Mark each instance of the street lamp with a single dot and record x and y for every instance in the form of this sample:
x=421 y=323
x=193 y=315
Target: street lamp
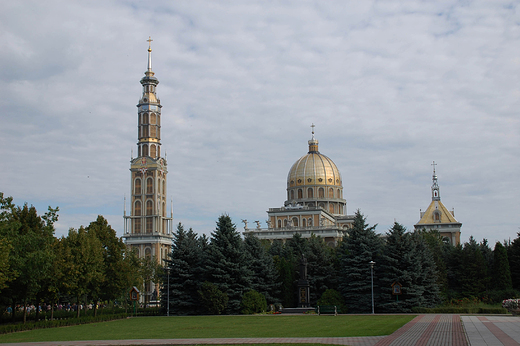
x=168 y=302
x=372 y=279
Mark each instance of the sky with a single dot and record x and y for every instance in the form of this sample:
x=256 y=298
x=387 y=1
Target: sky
x=390 y=85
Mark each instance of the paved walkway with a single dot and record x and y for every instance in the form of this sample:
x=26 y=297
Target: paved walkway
x=424 y=330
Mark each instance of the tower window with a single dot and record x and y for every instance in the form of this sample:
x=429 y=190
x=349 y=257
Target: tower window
x=145 y=150
x=153 y=131
x=279 y=223
x=300 y=194
x=145 y=118
x=153 y=118
x=153 y=150
x=310 y=192
x=295 y=222
x=149 y=207
x=321 y=193
x=338 y=193
x=137 y=186
x=292 y=195
x=137 y=225
x=137 y=208
x=331 y=193
x=149 y=186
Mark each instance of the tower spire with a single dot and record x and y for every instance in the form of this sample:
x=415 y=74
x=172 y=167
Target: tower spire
x=149 y=53
x=436 y=196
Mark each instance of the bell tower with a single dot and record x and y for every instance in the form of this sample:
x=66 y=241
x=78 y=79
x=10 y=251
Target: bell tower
x=147 y=228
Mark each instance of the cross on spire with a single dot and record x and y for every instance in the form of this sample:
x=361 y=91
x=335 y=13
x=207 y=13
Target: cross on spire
x=313 y=126
x=434 y=164
x=149 y=43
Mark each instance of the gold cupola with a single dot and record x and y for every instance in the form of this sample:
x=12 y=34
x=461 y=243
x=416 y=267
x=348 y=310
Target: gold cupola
x=314 y=180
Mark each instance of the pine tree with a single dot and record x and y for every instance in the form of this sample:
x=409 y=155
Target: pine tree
x=226 y=263
x=264 y=278
x=361 y=246
x=184 y=274
x=400 y=265
x=321 y=270
x=427 y=278
x=513 y=253
x=474 y=278
x=501 y=272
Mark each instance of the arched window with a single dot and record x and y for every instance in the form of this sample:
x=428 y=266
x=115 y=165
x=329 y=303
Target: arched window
x=279 y=223
x=164 y=209
x=331 y=208
x=285 y=223
x=158 y=119
x=145 y=118
x=137 y=186
x=310 y=192
x=300 y=194
x=159 y=186
x=137 y=208
x=149 y=186
x=153 y=118
x=149 y=207
x=304 y=223
x=153 y=151
x=292 y=195
x=145 y=150
x=164 y=187
x=137 y=225
x=338 y=194
x=331 y=192
x=321 y=193
x=295 y=222
x=148 y=253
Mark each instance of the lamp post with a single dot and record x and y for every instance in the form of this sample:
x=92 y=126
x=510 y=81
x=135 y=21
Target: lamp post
x=168 y=302
x=372 y=281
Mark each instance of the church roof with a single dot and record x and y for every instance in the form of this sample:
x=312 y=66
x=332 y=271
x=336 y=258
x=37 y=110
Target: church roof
x=436 y=213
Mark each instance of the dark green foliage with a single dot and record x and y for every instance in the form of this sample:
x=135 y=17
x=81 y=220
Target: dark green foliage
x=474 y=273
x=214 y=301
x=439 y=250
x=261 y=265
x=183 y=272
x=253 y=303
x=501 y=272
x=513 y=253
x=332 y=297
x=356 y=251
x=226 y=263
x=427 y=278
x=400 y=264
x=321 y=268
x=287 y=278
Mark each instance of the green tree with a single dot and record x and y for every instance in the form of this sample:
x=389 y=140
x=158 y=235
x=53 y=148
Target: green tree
x=253 y=302
x=361 y=246
x=261 y=264
x=214 y=300
x=501 y=271
x=474 y=276
x=5 y=273
x=31 y=238
x=321 y=268
x=114 y=277
x=513 y=253
x=83 y=266
x=184 y=266
x=226 y=263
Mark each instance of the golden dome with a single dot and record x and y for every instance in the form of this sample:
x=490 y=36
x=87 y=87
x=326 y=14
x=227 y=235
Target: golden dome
x=314 y=169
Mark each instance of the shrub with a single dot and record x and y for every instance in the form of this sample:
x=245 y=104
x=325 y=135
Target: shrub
x=333 y=298
x=215 y=301
x=253 y=302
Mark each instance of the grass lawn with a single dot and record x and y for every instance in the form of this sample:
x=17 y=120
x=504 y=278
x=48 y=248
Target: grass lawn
x=188 y=327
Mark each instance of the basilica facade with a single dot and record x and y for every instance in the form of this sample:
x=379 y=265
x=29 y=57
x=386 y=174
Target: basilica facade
x=314 y=205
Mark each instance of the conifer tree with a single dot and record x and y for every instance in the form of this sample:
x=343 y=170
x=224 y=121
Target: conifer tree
x=513 y=253
x=427 y=278
x=264 y=278
x=400 y=264
x=361 y=246
x=474 y=276
x=501 y=272
x=226 y=263
x=321 y=270
x=184 y=274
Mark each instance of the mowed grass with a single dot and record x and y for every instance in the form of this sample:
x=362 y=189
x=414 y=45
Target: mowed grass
x=189 y=327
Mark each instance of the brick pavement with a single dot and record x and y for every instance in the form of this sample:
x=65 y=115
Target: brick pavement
x=423 y=330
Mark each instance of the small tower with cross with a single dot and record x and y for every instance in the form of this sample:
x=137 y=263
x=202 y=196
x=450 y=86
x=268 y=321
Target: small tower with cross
x=438 y=217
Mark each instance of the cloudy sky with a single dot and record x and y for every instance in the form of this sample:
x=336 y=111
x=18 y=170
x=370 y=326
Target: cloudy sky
x=390 y=85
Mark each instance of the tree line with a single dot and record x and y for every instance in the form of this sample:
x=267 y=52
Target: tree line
x=213 y=275
x=90 y=264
